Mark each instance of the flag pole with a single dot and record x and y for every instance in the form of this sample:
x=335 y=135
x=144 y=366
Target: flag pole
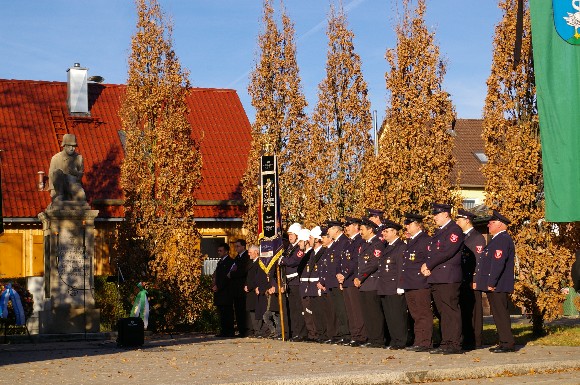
x=278 y=276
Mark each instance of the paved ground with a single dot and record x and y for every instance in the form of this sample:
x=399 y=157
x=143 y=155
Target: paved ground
x=199 y=359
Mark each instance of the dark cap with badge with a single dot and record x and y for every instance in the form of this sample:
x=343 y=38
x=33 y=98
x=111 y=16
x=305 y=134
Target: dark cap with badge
x=496 y=216
x=438 y=208
x=350 y=220
x=388 y=224
x=368 y=223
x=323 y=231
x=331 y=223
x=461 y=213
x=374 y=213
x=413 y=217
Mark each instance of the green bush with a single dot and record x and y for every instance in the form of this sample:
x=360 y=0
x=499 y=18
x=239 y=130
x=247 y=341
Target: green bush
x=108 y=299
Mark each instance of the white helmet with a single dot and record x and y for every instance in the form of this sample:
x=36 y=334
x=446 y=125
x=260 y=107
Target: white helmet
x=304 y=235
x=295 y=228
x=316 y=232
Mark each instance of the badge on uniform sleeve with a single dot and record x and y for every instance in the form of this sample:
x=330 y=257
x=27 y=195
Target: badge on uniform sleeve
x=498 y=254
x=479 y=249
x=453 y=238
x=300 y=254
x=377 y=253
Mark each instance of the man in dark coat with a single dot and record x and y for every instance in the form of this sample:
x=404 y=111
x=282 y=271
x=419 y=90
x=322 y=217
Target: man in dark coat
x=256 y=323
x=444 y=274
x=222 y=289
x=339 y=244
x=326 y=267
x=367 y=280
x=495 y=276
x=238 y=274
x=469 y=299
x=348 y=272
x=392 y=299
x=308 y=290
x=417 y=292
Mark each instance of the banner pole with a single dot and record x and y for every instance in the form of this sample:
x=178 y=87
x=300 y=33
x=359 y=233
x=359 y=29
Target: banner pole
x=278 y=275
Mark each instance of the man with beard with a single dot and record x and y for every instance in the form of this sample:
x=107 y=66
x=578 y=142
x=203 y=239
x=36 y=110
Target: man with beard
x=495 y=276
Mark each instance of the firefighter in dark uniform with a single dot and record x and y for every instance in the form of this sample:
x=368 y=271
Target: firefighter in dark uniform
x=444 y=274
x=377 y=216
x=392 y=299
x=291 y=260
x=367 y=280
x=469 y=299
x=340 y=241
x=495 y=276
x=327 y=267
x=310 y=293
x=349 y=268
x=417 y=292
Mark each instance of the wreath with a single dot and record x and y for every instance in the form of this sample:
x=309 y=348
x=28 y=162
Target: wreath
x=26 y=300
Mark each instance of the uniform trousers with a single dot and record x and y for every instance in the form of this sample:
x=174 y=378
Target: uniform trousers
x=498 y=303
x=471 y=316
x=395 y=312
x=296 y=319
x=319 y=316
x=327 y=309
x=373 y=317
x=309 y=308
x=419 y=304
x=341 y=318
x=446 y=297
x=354 y=313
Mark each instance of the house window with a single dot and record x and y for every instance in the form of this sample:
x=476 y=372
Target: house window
x=481 y=157
x=208 y=248
x=468 y=203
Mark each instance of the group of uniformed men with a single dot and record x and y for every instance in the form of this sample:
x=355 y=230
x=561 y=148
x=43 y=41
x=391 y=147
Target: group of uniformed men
x=358 y=283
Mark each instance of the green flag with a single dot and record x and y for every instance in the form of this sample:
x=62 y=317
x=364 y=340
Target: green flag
x=555 y=39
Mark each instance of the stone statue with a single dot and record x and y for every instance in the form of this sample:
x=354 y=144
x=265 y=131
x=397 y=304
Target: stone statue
x=65 y=173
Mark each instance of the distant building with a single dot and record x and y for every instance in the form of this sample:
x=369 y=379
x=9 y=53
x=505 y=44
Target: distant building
x=33 y=117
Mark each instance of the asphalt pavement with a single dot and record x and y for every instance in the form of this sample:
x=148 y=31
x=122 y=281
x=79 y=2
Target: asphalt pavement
x=205 y=359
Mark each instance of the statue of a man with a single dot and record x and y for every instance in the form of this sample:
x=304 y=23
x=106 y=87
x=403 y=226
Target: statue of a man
x=65 y=173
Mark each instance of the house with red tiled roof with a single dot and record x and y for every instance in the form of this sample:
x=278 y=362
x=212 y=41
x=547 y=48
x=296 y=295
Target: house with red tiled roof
x=469 y=158
x=34 y=115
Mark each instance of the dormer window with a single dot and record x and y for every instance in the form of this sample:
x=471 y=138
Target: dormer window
x=481 y=157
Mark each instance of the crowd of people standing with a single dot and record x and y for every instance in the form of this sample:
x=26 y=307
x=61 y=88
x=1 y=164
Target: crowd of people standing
x=357 y=283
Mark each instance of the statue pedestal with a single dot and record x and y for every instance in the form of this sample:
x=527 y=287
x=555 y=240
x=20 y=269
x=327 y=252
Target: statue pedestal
x=69 y=246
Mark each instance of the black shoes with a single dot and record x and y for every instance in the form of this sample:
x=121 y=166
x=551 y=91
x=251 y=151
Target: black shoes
x=394 y=347
x=502 y=349
x=371 y=345
x=418 y=348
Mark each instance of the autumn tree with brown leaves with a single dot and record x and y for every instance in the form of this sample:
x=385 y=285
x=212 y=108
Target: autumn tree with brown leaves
x=413 y=167
x=514 y=183
x=161 y=171
x=280 y=120
x=343 y=116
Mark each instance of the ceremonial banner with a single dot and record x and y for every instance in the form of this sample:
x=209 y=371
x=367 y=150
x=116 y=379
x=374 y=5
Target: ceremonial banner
x=271 y=245
x=555 y=39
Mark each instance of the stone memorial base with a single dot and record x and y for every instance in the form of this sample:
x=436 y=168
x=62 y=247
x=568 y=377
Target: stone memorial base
x=69 y=304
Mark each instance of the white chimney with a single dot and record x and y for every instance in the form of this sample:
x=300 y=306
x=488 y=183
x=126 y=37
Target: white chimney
x=77 y=90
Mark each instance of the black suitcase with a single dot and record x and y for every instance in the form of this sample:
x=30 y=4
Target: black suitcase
x=130 y=332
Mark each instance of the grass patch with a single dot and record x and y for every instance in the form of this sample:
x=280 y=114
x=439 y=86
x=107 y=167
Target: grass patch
x=556 y=335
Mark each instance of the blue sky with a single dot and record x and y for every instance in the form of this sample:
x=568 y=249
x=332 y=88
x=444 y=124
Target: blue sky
x=216 y=40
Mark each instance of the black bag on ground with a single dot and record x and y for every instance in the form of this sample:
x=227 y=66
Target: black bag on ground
x=130 y=332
